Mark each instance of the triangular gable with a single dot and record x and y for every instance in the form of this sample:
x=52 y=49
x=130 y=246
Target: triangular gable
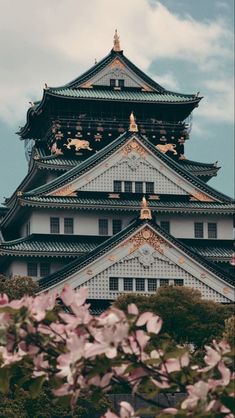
x=135 y=162
x=147 y=253
x=117 y=69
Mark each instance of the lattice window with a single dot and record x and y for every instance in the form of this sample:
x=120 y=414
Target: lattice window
x=112 y=82
x=198 y=230
x=117 y=226
x=44 y=269
x=128 y=186
x=164 y=282
x=152 y=285
x=55 y=225
x=178 y=282
x=103 y=227
x=165 y=225
x=117 y=186
x=32 y=269
x=149 y=187
x=128 y=284
x=68 y=225
x=139 y=187
x=113 y=284
x=121 y=83
x=140 y=285
x=212 y=230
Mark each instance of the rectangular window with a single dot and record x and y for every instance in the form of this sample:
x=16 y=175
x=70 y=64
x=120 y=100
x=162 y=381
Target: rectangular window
x=113 y=284
x=165 y=225
x=44 y=269
x=139 y=187
x=152 y=285
x=103 y=227
x=117 y=186
x=212 y=230
x=112 y=82
x=117 y=226
x=127 y=284
x=128 y=186
x=32 y=269
x=149 y=187
x=198 y=229
x=68 y=225
x=140 y=285
x=178 y=282
x=164 y=282
x=55 y=225
x=120 y=83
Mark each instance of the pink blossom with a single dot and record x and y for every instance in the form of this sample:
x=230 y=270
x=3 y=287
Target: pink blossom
x=102 y=382
x=211 y=358
x=110 y=414
x=196 y=393
x=127 y=411
x=171 y=411
x=3 y=299
x=132 y=309
x=153 y=322
x=144 y=317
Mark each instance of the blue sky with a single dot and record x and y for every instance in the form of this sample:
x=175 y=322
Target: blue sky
x=185 y=45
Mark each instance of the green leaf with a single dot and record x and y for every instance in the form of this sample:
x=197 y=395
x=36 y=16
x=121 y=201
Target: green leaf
x=5 y=375
x=36 y=385
x=228 y=401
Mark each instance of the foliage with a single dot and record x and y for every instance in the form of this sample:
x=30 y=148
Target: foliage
x=84 y=356
x=16 y=287
x=229 y=332
x=187 y=318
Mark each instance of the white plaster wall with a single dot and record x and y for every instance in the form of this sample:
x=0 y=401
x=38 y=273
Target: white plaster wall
x=19 y=267
x=181 y=226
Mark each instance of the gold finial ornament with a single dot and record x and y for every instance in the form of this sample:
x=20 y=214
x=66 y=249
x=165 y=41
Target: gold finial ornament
x=116 y=42
x=133 y=126
x=145 y=212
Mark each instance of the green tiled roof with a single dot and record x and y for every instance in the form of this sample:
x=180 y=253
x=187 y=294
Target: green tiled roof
x=83 y=261
x=51 y=245
x=119 y=95
x=110 y=149
x=131 y=203
x=72 y=246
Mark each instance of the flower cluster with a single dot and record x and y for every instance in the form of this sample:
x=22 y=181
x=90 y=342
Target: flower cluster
x=85 y=353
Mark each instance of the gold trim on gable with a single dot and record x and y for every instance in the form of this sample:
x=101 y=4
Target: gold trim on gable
x=146 y=236
x=65 y=191
x=202 y=197
x=134 y=146
x=116 y=63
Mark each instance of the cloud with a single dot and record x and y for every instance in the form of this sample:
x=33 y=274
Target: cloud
x=54 y=41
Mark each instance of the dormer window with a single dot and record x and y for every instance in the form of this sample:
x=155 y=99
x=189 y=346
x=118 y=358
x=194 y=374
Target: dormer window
x=117 y=82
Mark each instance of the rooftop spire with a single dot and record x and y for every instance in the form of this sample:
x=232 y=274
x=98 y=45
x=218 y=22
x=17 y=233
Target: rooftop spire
x=133 y=126
x=116 y=42
x=145 y=212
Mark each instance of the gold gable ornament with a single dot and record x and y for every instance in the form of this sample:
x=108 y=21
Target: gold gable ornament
x=133 y=126
x=145 y=212
x=116 y=42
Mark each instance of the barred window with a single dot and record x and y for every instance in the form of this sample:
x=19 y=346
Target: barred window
x=68 y=225
x=103 y=226
x=112 y=82
x=32 y=269
x=28 y=229
x=212 y=230
x=198 y=230
x=44 y=269
x=113 y=284
x=117 y=186
x=121 y=83
x=165 y=225
x=128 y=186
x=178 y=282
x=55 y=225
x=164 y=282
x=117 y=226
x=140 y=285
x=149 y=187
x=152 y=285
x=139 y=187
x=127 y=284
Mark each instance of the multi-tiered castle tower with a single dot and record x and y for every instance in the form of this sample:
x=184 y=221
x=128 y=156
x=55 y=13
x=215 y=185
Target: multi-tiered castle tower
x=110 y=201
